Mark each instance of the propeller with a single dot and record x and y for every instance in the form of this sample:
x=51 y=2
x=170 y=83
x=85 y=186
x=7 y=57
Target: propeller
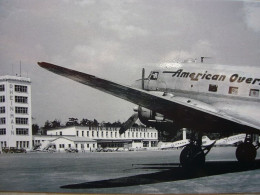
x=129 y=123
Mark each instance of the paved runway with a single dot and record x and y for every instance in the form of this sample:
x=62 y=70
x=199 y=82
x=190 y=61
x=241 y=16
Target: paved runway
x=153 y=172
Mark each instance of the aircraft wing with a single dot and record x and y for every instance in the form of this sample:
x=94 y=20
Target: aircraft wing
x=182 y=111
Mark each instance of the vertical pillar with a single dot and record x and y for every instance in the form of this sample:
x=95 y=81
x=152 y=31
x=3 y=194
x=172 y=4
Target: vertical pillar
x=184 y=134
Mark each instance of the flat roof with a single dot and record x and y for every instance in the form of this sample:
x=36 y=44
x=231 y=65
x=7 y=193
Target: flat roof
x=76 y=139
x=15 y=78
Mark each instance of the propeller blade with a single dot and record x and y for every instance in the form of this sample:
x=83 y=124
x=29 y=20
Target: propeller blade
x=129 y=123
x=143 y=75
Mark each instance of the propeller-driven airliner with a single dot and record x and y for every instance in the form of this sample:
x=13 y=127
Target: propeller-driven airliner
x=197 y=96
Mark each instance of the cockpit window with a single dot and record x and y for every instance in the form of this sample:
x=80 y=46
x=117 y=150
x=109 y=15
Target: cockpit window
x=154 y=75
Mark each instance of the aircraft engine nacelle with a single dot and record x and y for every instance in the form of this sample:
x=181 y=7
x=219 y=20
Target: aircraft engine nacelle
x=148 y=117
x=156 y=120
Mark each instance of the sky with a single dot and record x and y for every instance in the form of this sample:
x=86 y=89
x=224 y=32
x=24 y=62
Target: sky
x=115 y=39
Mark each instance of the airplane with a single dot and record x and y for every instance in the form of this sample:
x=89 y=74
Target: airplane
x=207 y=142
x=176 y=144
x=202 y=97
x=231 y=140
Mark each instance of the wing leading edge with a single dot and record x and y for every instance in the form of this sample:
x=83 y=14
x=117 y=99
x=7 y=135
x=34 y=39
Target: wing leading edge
x=183 y=113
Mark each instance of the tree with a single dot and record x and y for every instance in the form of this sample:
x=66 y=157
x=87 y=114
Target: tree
x=72 y=122
x=46 y=126
x=84 y=122
x=35 y=129
x=95 y=123
x=55 y=123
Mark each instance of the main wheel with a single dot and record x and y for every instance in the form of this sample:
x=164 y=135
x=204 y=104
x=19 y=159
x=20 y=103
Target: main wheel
x=192 y=156
x=246 y=152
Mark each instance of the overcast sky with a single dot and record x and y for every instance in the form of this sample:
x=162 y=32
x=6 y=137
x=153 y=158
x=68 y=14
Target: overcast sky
x=115 y=39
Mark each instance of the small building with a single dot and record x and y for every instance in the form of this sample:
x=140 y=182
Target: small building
x=91 y=138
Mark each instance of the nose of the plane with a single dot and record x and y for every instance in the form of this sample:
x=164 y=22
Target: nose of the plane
x=137 y=84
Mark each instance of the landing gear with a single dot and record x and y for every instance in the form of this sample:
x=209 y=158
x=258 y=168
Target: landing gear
x=193 y=156
x=246 y=152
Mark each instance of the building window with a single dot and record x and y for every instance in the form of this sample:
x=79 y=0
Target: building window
x=21 y=121
x=254 y=93
x=21 y=110
x=2 y=109
x=2 y=131
x=2 y=98
x=93 y=145
x=82 y=146
x=87 y=133
x=20 y=88
x=82 y=133
x=153 y=143
x=3 y=144
x=145 y=144
x=133 y=134
x=213 y=88
x=87 y=145
x=111 y=134
x=106 y=134
x=136 y=134
x=77 y=133
x=21 y=99
x=102 y=134
x=92 y=133
x=62 y=146
x=2 y=87
x=22 y=131
x=60 y=132
x=115 y=134
x=2 y=121
x=233 y=90
x=69 y=145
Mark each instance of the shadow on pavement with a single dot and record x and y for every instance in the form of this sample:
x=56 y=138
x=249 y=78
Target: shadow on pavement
x=167 y=173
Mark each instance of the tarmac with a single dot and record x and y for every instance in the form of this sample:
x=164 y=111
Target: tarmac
x=149 y=172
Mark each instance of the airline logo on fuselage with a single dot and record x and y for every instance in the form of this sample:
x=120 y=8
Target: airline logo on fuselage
x=216 y=77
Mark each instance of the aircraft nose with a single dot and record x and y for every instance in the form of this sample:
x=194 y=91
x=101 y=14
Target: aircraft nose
x=137 y=84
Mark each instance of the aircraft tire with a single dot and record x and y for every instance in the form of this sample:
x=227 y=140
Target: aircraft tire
x=192 y=156
x=246 y=153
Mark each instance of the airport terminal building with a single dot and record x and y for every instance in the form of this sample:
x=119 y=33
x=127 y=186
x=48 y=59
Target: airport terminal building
x=16 y=126
x=92 y=138
x=15 y=112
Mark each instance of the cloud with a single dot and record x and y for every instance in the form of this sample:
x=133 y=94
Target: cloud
x=115 y=40
x=252 y=11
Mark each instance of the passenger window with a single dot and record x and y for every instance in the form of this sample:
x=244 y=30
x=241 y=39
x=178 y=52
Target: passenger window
x=254 y=93
x=154 y=75
x=233 y=90
x=213 y=88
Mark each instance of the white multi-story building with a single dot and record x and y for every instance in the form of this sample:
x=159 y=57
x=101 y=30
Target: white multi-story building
x=89 y=138
x=15 y=112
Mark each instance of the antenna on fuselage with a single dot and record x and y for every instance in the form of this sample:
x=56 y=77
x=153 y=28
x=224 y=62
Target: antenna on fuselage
x=202 y=59
x=143 y=75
